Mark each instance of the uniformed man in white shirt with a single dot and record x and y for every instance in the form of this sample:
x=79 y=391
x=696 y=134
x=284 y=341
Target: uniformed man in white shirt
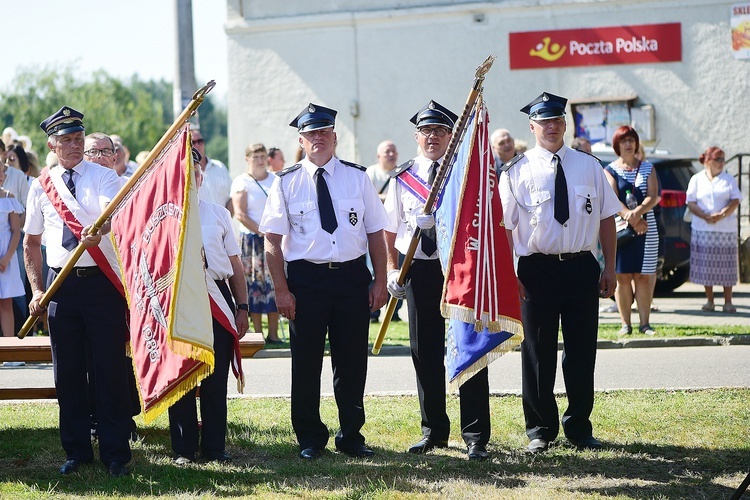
x=423 y=292
x=556 y=204
x=87 y=310
x=224 y=266
x=321 y=217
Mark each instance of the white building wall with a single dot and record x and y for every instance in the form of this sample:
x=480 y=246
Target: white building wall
x=377 y=63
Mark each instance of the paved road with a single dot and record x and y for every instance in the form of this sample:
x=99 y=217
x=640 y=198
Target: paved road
x=656 y=368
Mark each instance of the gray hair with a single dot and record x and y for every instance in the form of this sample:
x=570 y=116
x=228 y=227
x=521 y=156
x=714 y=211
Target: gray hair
x=100 y=135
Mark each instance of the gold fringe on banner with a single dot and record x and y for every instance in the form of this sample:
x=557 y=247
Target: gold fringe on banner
x=467 y=315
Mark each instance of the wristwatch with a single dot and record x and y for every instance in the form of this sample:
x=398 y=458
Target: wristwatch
x=244 y=307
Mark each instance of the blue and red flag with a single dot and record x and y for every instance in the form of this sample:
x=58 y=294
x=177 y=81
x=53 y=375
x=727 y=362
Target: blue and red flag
x=480 y=294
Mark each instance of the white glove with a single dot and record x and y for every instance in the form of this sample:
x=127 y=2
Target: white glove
x=425 y=221
x=394 y=288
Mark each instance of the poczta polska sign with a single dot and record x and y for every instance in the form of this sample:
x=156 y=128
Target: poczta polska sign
x=647 y=43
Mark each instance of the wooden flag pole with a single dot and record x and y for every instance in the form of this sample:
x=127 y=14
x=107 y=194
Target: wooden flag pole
x=442 y=173
x=197 y=100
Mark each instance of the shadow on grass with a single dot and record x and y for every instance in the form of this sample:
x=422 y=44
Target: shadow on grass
x=265 y=461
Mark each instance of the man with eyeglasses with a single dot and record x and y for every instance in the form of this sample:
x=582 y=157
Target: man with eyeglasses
x=322 y=215
x=556 y=204
x=99 y=148
x=423 y=291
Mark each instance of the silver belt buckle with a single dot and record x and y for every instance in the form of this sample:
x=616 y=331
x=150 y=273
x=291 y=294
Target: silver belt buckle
x=81 y=273
x=334 y=265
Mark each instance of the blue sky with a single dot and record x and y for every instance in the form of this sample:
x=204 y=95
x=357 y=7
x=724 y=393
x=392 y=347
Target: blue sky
x=123 y=37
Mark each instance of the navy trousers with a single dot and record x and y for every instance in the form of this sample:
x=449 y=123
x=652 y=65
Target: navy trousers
x=566 y=291
x=90 y=312
x=183 y=415
x=427 y=342
x=333 y=302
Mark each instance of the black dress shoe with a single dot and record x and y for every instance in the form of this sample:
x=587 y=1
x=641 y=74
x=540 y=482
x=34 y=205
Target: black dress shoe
x=538 y=445
x=426 y=444
x=361 y=451
x=218 y=456
x=587 y=443
x=118 y=469
x=310 y=453
x=477 y=451
x=71 y=466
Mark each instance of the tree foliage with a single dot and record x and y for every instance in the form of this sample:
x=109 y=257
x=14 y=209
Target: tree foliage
x=137 y=110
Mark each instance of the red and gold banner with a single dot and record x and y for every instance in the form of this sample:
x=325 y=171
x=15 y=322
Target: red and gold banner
x=646 y=43
x=157 y=233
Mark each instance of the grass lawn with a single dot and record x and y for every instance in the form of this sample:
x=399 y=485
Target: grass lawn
x=659 y=444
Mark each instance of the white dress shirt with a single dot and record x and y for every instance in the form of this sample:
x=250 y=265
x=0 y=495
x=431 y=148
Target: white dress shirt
x=95 y=187
x=219 y=240
x=403 y=207
x=294 y=214
x=527 y=192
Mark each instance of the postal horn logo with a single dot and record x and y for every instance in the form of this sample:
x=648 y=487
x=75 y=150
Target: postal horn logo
x=548 y=51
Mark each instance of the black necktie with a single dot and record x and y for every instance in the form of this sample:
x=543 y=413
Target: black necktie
x=429 y=236
x=562 y=213
x=325 y=205
x=69 y=241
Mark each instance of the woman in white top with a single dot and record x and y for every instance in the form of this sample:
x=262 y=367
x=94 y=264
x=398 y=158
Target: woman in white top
x=249 y=194
x=713 y=197
x=11 y=284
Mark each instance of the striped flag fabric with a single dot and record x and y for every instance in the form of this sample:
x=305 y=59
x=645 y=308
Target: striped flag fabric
x=480 y=294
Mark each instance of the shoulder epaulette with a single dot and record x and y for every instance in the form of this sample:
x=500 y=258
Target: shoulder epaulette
x=401 y=168
x=590 y=154
x=350 y=164
x=288 y=170
x=512 y=162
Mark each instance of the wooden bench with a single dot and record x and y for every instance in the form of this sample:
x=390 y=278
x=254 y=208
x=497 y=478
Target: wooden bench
x=37 y=350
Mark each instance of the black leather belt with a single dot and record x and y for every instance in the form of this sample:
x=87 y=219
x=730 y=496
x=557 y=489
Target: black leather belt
x=80 y=272
x=333 y=265
x=559 y=256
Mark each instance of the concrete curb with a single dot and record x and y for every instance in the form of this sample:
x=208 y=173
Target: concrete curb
x=637 y=343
